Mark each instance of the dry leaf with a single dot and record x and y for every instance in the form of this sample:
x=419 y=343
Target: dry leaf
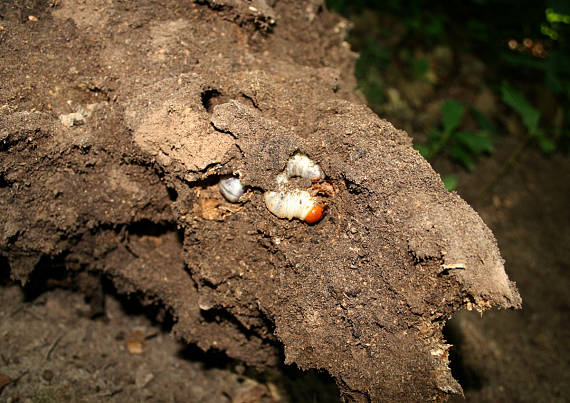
x=250 y=392
x=209 y=209
x=4 y=380
x=135 y=342
x=274 y=392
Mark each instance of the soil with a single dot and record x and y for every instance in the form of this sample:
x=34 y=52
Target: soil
x=520 y=356
x=118 y=122
x=59 y=353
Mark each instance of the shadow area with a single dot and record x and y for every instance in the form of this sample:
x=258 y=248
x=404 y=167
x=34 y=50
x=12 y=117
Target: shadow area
x=51 y=274
x=467 y=376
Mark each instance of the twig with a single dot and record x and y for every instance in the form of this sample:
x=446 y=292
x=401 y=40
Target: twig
x=16 y=379
x=35 y=315
x=52 y=347
x=110 y=393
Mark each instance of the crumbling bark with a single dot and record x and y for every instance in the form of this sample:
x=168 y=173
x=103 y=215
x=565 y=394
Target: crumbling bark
x=118 y=122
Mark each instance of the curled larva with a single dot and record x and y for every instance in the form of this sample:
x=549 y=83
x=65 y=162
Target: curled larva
x=296 y=204
x=282 y=178
x=231 y=188
x=303 y=166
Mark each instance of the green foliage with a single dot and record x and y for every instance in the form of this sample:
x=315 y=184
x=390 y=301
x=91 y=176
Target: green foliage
x=481 y=28
x=419 y=67
x=554 y=69
x=462 y=146
x=368 y=69
x=554 y=20
x=529 y=115
x=430 y=27
x=477 y=143
x=450 y=182
x=451 y=115
x=482 y=121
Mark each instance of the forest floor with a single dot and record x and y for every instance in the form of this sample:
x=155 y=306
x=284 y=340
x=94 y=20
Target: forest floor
x=521 y=355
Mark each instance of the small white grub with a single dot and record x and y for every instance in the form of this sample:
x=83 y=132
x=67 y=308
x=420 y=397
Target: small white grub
x=231 y=188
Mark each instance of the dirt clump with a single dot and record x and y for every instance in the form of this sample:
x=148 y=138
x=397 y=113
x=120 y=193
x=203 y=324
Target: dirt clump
x=165 y=99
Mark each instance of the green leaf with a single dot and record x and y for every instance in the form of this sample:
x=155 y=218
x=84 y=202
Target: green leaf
x=434 y=135
x=545 y=144
x=477 y=143
x=522 y=61
x=374 y=92
x=419 y=68
x=424 y=150
x=482 y=120
x=450 y=182
x=452 y=113
x=529 y=114
x=462 y=156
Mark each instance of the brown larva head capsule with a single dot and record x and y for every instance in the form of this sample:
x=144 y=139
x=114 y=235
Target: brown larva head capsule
x=316 y=213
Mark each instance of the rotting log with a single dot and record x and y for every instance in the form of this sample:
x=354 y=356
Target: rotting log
x=117 y=123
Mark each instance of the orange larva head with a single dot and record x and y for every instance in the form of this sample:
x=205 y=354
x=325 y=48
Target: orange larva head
x=316 y=213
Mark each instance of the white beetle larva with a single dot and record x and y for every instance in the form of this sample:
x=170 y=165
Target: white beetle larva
x=231 y=189
x=303 y=166
x=296 y=204
x=282 y=178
